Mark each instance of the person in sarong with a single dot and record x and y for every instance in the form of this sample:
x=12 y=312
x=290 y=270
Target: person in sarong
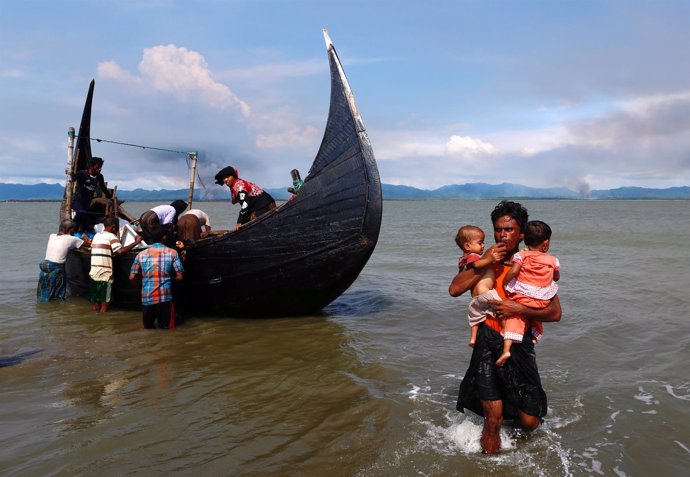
x=514 y=390
x=52 y=283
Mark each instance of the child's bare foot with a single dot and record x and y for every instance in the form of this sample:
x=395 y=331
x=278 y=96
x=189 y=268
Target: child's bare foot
x=504 y=357
x=471 y=343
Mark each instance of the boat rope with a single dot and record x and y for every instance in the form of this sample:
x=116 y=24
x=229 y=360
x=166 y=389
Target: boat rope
x=186 y=154
x=139 y=146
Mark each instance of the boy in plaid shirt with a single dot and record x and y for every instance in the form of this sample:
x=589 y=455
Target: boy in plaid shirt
x=158 y=265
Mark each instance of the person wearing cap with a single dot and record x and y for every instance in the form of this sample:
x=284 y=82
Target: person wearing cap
x=161 y=216
x=254 y=201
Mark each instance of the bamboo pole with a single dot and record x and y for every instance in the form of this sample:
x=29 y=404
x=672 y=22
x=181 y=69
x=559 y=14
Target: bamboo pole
x=192 y=177
x=67 y=203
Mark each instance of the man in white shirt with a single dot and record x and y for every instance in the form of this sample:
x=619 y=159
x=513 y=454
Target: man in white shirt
x=52 y=283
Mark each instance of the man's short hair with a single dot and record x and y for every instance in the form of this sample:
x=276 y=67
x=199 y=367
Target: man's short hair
x=159 y=234
x=111 y=221
x=513 y=210
x=67 y=224
x=94 y=161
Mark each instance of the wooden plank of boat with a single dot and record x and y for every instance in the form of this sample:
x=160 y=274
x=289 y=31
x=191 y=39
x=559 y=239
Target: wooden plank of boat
x=300 y=256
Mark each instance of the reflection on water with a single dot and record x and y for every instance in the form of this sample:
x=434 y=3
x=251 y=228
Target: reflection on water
x=368 y=386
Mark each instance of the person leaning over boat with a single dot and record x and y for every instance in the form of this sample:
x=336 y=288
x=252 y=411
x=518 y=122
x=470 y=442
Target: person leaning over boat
x=513 y=390
x=158 y=265
x=87 y=182
x=190 y=223
x=254 y=201
x=52 y=284
x=161 y=217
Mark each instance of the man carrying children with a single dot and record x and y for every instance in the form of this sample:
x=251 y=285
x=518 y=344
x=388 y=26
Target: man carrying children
x=158 y=265
x=513 y=390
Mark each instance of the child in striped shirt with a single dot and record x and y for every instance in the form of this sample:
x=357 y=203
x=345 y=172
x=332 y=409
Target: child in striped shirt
x=104 y=246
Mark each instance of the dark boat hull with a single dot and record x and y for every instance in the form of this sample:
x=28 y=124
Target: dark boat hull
x=300 y=256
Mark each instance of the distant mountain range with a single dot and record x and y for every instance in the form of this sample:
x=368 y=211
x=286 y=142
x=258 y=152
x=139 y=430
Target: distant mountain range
x=390 y=192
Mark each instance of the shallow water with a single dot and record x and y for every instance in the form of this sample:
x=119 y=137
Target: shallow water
x=368 y=387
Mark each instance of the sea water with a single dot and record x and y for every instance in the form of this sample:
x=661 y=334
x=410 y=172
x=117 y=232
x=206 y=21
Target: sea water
x=367 y=387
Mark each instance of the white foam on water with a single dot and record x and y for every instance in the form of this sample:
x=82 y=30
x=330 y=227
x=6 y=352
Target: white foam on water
x=560 y=421
x=645 y=396
x=619 y=472
x=672 y=391
x=412 y=393
x=683 y=446
x=594 y=465
x=464 y=436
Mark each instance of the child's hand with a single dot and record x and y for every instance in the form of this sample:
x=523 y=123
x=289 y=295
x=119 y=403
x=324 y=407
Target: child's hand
x=498 y=251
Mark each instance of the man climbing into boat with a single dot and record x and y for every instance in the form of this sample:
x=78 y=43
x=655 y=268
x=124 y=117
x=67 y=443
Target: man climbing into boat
x=254 y=201
x=513 y=390
x=88 y=181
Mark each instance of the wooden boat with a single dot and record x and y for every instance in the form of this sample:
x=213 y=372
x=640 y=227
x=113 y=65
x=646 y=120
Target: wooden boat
x=300 y=256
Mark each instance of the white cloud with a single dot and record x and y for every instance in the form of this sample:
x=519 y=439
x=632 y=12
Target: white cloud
x=294 y=136
x=111 y=70
x=181 y=73
x=24 y=144
x=468 y=147
x=12 y=73
x=275 y=72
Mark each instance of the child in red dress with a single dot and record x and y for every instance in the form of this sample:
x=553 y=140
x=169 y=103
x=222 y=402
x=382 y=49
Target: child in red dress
x=531 y=282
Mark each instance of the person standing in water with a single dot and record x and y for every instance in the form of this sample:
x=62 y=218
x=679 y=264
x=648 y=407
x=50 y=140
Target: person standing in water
x=514 y=390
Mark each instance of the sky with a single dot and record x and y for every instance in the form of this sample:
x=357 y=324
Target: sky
x=581 y=94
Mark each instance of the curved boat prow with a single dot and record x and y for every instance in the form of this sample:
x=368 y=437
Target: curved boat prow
x=333 y=55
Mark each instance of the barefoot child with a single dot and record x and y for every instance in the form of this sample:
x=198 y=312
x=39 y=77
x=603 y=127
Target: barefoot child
x=531 y=282
x=470 y=239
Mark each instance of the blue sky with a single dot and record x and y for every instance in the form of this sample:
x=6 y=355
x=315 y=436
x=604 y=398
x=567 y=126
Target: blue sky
x=582 y=94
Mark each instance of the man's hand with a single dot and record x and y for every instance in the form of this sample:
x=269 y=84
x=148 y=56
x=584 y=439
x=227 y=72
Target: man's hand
x=506 y=308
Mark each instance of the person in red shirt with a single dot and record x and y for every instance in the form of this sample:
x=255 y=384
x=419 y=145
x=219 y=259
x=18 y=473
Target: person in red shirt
x=254 y=201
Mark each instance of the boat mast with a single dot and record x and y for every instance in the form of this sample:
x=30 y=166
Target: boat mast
x=67 y=203
x=192 y=176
